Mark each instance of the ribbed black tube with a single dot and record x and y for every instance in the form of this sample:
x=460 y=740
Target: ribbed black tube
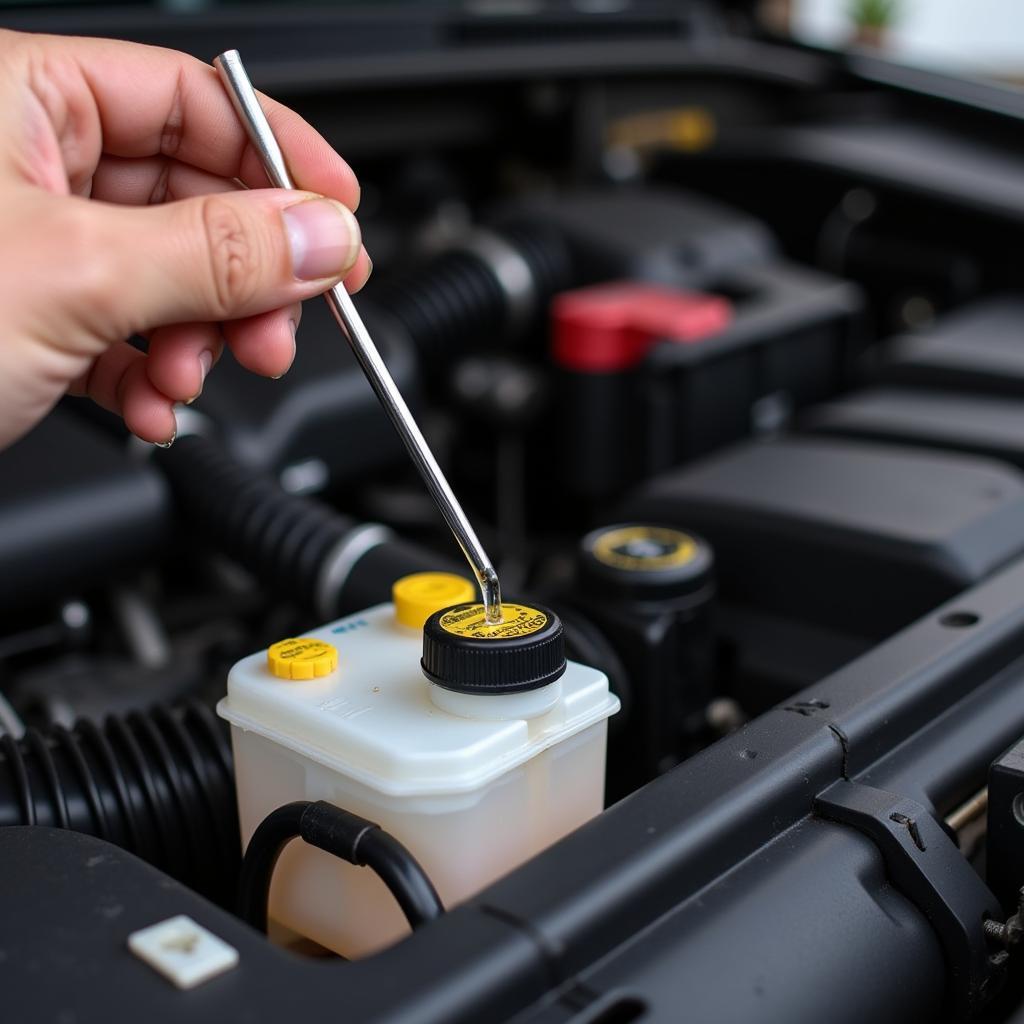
x=159 y=784
x=548 y=256
x=282 y=538
x=456 y=303
x=452 y=303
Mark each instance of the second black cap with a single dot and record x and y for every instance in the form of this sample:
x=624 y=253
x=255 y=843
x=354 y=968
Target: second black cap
x=462 y=652
x=646 y=561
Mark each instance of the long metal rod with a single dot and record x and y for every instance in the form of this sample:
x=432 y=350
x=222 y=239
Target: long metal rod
x=243 y=97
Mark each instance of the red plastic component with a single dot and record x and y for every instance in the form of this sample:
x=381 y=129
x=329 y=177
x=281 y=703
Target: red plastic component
x=611 y=327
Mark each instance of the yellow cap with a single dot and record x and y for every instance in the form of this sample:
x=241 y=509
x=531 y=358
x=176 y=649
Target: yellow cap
x=418 y=596
x=304 y=658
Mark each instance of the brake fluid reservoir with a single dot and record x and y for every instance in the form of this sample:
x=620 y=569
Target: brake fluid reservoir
x=476 y=758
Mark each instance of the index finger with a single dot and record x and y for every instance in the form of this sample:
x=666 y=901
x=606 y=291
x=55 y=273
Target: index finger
x=151 y=101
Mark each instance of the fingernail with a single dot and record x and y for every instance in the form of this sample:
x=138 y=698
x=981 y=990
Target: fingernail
x=205 y=363
x=324 y=238
x=294 y=326
x=169 y=441
x=369 y=266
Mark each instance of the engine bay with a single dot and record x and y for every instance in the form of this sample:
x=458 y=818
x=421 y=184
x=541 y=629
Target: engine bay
x=719 y=341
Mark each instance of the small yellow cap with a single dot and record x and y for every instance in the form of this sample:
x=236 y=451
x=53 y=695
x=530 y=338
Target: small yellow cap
x=304 y=658
x=418 y=596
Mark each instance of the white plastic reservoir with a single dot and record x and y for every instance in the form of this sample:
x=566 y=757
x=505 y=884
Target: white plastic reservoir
x=472 y=785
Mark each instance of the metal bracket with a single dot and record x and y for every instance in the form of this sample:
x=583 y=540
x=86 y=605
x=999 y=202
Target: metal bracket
x=929 y=870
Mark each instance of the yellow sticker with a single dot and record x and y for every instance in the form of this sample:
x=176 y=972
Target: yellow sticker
x=645 y=548
x=518 y=620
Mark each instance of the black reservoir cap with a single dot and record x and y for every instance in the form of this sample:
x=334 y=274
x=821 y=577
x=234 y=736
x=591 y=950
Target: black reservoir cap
x=464 y=653
x=646 y=561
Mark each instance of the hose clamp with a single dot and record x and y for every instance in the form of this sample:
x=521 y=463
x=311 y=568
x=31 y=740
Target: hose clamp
x=342 y=559
x=512 y=272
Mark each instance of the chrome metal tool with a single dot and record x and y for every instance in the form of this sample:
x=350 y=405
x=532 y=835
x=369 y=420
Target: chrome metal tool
x=232 y=73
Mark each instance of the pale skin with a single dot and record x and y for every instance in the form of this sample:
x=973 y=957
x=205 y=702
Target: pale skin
x=131 y=203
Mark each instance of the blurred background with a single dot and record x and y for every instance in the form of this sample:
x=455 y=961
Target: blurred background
x=984 y=38
x=822 y=201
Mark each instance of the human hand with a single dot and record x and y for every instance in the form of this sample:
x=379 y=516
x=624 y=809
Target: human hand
x=122 y=212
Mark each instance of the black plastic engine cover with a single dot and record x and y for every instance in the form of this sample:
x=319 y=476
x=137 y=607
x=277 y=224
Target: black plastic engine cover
x=75 y=507
x=665 y=235
x=981 y=424
x=976 y=349
x=856 y=537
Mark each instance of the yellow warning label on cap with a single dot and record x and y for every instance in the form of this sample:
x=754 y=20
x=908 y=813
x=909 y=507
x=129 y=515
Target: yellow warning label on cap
x=469 y=621
x=645 y=548
x=418 y=596
x=303 y=658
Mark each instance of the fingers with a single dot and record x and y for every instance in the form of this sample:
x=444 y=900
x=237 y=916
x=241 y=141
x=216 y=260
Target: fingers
x=144 y=388
x=152 y=180
x=118 y=382
x=212 y=258
x=147 y=413
x=180 y=357
x=265 y=344
x=360 y=273
x=138 y=125
x=146 y=101
x=237 y=258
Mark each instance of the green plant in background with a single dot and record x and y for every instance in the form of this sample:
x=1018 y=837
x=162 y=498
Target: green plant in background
x=874 y=14
x=872 y=20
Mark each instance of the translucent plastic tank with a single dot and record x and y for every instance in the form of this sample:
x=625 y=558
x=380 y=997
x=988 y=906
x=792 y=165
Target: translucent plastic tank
x=472 y=785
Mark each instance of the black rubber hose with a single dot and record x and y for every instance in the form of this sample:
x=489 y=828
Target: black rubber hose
x=445 y=307
x=265 y=846
x=158 y=784
x=456 y=303
x=548 y=256
x=344 y=835
x=401 y=873
x=282 y=538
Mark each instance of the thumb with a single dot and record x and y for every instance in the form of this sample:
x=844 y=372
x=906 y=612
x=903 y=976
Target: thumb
x=220 y=256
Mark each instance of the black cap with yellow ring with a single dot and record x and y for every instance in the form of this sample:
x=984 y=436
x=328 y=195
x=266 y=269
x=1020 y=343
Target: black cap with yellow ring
x=465 y=653
x=645 y=560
